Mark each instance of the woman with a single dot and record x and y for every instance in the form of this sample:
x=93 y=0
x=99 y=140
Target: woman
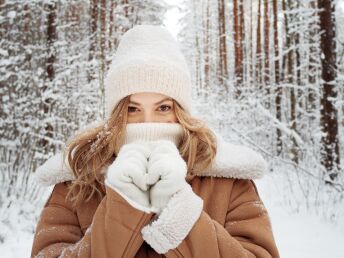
x=151 y=180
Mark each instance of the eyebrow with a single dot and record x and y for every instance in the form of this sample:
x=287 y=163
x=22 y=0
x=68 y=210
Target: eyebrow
x=136 y=103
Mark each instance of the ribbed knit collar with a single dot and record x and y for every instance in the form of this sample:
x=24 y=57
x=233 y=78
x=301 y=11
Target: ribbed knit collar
x=153 y=131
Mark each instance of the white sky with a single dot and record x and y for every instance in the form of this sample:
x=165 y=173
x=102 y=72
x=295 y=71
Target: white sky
x=172 y=16
x=340 y=5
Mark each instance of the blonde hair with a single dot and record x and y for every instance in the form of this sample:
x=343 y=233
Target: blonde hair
x=94 y=149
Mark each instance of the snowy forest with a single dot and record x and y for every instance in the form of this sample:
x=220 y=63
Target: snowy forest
x=268 y=74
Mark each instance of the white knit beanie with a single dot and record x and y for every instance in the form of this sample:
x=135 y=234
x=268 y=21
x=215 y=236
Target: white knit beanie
x=148 y=59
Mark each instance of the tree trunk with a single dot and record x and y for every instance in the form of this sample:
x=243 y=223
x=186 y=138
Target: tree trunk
x=312 y=69
x=251 y=74
x=103 y=68
x=206 y=48
x=278 y=91
x=223 y=71
x=51 y=34
x=266 y=52
x=242 y=40
x=328 y=112
x=259 y=48
x=287 y=75
x=295 y=78
x=111 y=43
x=93 y=36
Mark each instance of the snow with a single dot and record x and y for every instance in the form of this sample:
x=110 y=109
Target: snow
x=4 y=52
x=302 y=234
x=298 y=235
x=340 y=4
x=16 y=234
x=11 y=14
x=15 y=246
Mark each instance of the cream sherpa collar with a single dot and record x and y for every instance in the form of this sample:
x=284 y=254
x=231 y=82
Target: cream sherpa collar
x=231 y=161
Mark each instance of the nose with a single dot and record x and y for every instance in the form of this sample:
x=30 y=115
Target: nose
x=148 y=117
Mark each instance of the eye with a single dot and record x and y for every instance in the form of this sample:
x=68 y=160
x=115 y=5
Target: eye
x=131 y=109
x=164 y=108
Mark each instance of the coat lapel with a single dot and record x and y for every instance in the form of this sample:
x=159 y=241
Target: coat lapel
x=235 y=161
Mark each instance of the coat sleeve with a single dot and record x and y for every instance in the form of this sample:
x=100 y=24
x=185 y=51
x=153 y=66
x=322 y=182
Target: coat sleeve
x=58 y=233
x=246 y=232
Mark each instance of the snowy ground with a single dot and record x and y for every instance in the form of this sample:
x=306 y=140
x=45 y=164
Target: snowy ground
x=300 y=235
x=297 y=235
x=303 y=236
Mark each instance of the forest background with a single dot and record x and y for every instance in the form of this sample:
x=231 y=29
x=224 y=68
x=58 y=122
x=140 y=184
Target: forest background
x=268 y=74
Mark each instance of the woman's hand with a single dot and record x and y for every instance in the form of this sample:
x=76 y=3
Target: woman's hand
x=127 y=174
x=166 y=173
x=178 y=207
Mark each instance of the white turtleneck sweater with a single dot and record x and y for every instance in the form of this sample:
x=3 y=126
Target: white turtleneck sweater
x=153 y=131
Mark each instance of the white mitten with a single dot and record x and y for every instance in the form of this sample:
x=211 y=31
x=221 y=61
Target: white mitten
x=127 y=175
x=166 y=173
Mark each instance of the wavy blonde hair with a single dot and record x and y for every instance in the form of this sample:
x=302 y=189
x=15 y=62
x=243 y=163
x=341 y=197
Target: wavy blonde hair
x=93 y=149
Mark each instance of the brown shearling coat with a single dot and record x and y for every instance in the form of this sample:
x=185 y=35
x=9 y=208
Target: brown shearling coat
x=233 y=224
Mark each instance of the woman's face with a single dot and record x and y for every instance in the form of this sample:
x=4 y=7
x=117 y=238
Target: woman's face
x=151 y=107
